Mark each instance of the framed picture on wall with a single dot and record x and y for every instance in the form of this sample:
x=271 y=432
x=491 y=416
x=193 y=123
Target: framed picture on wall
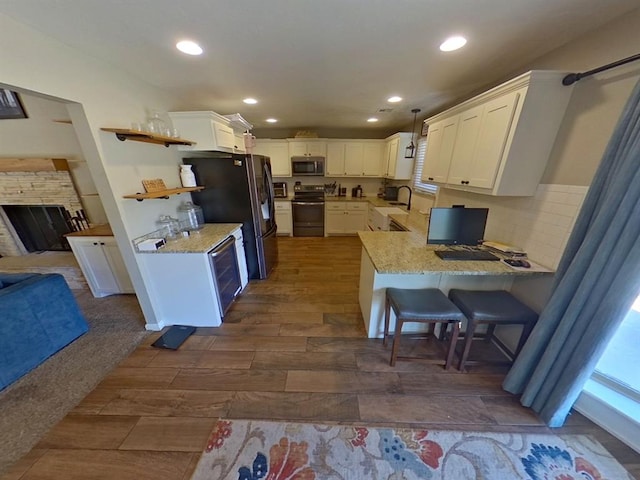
x=10 y=105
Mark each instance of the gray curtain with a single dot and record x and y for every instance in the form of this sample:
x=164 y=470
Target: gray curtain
x=595 y=285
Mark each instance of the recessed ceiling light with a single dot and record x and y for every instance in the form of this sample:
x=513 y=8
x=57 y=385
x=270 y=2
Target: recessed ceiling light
x=272 y=120
x=372 y=119
x=189 y=47
x=453 y=43
x=250 y=101
x=394 y=99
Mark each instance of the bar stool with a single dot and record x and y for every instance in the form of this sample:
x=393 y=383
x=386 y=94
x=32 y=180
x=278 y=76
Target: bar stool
x=492 y=308
x=428 y=305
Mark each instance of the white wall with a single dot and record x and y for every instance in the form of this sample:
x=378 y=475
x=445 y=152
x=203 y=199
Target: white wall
x=99 y=96
x=40 y=136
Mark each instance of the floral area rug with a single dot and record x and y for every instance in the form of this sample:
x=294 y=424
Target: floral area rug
x=253 y=450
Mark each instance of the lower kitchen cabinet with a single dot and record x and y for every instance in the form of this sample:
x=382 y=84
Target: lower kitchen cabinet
x=345 y=217
x=102 y=265
x=283 y=217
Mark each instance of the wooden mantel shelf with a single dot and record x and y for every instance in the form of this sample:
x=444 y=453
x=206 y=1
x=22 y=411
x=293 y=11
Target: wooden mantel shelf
x=123 y=134
x=162 y=193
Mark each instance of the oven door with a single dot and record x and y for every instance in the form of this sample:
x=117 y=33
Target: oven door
x=308 y=218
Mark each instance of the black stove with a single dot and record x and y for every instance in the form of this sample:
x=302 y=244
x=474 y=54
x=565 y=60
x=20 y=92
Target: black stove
x=308 y=210
x=308 y=193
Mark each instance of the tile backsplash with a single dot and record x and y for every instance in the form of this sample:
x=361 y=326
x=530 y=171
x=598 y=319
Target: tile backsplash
x=540 y=224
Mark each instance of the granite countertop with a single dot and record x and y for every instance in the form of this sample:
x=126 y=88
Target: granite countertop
x=408 y=253
x=199 y=241
x=416 y=221
x=95 y=231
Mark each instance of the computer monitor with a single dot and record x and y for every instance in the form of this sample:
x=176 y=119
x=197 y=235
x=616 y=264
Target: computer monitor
x=457 y=226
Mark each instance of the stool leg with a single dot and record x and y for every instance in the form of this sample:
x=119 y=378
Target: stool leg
x=468 y=338
x=386 y=320
x=526 y=331
x=491 y=328
x=452 y=342
x=396 y=342
x=443 y=331
x=432 y=328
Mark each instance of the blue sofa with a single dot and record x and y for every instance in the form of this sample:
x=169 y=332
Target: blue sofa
x=38 y=316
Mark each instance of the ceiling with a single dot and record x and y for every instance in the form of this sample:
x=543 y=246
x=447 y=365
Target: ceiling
x=317 y=64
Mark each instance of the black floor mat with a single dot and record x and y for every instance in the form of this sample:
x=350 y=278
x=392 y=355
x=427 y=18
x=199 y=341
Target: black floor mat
x=174 y=337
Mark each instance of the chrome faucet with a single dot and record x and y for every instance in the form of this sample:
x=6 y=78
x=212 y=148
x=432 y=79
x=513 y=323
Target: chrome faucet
x=410 y=191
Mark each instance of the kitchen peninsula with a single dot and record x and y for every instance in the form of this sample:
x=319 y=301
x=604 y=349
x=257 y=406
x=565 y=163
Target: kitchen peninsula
x=188 y=287
x=404 y=260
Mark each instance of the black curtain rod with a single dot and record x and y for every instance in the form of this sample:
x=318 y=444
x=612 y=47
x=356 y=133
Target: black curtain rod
x=574 y=77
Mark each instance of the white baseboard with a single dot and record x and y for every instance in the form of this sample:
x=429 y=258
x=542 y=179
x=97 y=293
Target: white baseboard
x=615 y=413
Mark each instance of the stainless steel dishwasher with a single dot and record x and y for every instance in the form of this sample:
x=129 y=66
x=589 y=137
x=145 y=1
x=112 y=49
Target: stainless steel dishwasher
x=226 y=274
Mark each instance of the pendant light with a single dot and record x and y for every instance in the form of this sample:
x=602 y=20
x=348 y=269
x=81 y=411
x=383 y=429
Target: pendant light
x=411 y=148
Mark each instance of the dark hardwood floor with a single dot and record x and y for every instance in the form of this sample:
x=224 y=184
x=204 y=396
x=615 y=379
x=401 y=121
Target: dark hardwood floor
x=293 y=347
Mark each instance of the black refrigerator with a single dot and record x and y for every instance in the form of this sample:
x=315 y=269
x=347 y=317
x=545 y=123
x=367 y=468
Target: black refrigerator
x=239 y=189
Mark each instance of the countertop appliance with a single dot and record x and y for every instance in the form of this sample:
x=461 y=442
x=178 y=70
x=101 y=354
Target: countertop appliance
x=308 y=210
x=307 y=166
x=280 y=189
x=239 y=189
x=390 y=193
x=226 y=274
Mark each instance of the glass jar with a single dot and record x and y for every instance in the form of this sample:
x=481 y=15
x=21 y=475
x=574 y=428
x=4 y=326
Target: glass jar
x=169 y=226
x=190 y=217
x=157 y=125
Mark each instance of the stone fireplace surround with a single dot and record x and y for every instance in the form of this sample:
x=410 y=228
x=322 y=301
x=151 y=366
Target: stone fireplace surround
x=33 y=188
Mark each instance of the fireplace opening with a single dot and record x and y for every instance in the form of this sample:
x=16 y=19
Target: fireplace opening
x=42 y=228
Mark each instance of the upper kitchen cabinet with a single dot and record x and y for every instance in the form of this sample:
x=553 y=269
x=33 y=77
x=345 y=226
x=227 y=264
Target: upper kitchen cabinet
x=354 y=158
x=278 y=151
x=307 y=148
x=397 y=166
x=440 y=142
x=499 y=142
x=210 y=131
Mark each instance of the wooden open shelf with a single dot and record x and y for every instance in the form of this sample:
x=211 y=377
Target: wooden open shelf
x=162 y=193
x=125 y=134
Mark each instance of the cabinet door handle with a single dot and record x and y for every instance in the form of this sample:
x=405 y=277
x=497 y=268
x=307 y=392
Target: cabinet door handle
x=95 y=243
x=430 y=178
x=101 y=243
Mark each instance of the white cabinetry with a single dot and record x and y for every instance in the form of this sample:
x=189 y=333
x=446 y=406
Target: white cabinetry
x=101 y=264
x=209 y=130
x=278 y=152
x=440 y=142
x=503 y=137
x=283 y=217
x=335 y=159
x=307 y=148
x=373 y=159
x=353 y=158
x=397 y=166
x=238 y=144
x=345 y=217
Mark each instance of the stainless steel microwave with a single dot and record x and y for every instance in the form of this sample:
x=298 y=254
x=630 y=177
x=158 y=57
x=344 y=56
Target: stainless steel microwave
x=307 y=166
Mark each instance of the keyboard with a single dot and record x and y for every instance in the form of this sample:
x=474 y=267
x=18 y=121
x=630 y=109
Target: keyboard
x=465 y=255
